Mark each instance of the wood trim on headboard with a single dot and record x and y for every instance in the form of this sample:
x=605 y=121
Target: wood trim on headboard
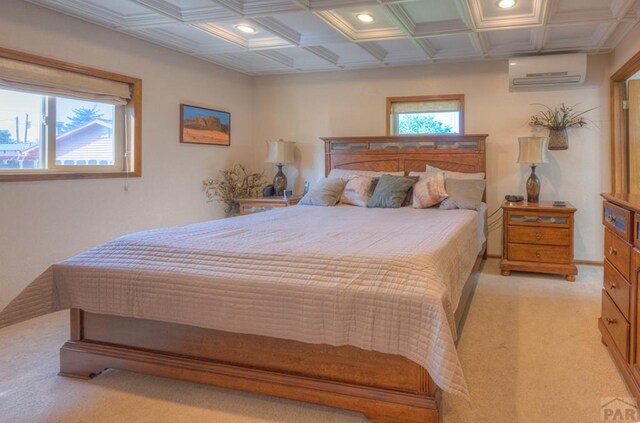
x=408 y=153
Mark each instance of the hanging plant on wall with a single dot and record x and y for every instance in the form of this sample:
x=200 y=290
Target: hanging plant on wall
x=558 y=120
x=231 y=185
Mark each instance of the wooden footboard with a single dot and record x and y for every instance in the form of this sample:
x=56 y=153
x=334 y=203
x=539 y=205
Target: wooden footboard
x=385 y=387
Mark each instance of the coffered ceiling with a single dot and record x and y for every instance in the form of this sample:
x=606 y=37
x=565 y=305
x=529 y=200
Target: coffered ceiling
x=319 y=35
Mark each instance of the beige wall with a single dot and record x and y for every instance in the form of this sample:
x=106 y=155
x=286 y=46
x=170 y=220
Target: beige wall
x=43 y=222
x=305 y=107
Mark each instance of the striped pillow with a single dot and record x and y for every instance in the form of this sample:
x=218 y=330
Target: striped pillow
x=358 y=190
x=429 y=191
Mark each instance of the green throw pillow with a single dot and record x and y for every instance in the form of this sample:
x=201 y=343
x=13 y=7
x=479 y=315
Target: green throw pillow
x=390 y=191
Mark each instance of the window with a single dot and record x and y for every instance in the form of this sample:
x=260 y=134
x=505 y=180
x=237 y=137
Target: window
x=61 y=121
x=443 y=114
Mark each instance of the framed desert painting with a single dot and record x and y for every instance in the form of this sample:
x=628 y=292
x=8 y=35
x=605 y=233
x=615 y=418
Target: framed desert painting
x=204 y=126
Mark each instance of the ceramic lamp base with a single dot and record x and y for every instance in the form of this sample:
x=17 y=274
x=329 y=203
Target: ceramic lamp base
x=279 y=181
x=533 y=186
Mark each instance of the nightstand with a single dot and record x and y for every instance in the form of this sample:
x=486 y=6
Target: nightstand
x=260 y=204
x=538 y=238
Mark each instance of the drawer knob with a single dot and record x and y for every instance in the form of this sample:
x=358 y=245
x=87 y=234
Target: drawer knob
x=538 y=254
x=613 y=251
x=610 y=321
x=612 y=286
x=610 y=218
x=539 y=235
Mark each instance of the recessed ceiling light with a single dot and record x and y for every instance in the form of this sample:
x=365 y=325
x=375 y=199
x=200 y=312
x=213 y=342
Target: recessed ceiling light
x=365 y=17
x=246 y=28
x=506 y=4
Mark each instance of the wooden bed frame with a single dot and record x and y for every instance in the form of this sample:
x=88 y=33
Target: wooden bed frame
x=386 y=388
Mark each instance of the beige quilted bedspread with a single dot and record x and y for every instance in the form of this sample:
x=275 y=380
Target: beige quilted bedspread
x=380 y=279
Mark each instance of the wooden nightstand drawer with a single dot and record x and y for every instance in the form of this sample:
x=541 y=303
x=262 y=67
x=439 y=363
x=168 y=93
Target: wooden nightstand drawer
x=538 y=219
x=250 y=208
x=617 y=287
x=617 y=220
x=538 y=253
x=615 y=324
x=538 y=235
x=257 y=205
x=618 y=252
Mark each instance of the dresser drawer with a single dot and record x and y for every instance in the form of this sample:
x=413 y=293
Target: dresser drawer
x=618 y=220
x=525 y=218
x=541 y=236
x=538 y=253
x=618 y=252
x=616 y=324
x=636 y=230
x=618 y=288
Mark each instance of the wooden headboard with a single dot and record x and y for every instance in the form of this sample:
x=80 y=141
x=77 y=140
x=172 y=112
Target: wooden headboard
x=408 y=153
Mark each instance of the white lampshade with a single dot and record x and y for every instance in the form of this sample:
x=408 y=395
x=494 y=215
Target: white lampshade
x=533 y=150
x=280 y=152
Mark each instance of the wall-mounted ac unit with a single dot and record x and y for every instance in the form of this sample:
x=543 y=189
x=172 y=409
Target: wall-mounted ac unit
x=534 y=72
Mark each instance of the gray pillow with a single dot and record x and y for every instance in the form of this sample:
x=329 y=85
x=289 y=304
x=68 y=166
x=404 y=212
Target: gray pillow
x=463 y=194
x=326 y=193
x=390 y=191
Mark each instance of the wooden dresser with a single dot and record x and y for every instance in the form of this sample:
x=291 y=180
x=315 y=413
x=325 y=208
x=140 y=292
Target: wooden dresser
x=538 y=238
x=619 y=321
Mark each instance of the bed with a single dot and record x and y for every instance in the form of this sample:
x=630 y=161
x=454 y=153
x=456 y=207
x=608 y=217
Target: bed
x=331 y=313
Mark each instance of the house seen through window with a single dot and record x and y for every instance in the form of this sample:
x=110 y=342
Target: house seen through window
x=83 y=132
x=425 y=115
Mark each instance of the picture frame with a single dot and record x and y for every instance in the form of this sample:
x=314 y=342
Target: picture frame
x=200 y=125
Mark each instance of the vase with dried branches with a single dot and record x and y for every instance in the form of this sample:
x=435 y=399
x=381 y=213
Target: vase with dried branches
x=232 y=184
x=557 y=120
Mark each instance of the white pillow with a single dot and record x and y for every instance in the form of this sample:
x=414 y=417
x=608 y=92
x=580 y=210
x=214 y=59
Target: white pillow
x=429 y=191
x=358 y=190
x=345 y=173
x=453 y=175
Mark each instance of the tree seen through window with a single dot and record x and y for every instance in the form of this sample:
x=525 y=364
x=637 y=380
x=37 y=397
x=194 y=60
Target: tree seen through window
x=423 y=123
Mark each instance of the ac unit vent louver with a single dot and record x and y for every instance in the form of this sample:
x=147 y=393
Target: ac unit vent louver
x=547 y=71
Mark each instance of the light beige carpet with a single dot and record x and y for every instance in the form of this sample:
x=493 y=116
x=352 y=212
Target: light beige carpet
x=530 y=350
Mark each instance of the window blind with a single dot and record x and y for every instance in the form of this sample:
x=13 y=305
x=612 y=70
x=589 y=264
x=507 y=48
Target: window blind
x=425 y=106
x=15 y=74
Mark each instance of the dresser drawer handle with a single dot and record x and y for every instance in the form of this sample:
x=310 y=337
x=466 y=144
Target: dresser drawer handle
x=538 y=254
x=539 y=235
x=610 y=321
x=538 y=219
x=613 y=251
x=610 y=218
x=612 y=286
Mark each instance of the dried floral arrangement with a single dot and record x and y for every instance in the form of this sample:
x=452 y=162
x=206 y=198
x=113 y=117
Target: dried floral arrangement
x=231 y=185
x=559 y=118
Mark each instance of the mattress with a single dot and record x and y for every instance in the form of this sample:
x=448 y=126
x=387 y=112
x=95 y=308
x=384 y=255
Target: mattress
x=387 y=280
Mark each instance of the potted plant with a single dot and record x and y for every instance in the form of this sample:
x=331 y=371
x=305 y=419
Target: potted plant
x=231 y=185
x=557 y=120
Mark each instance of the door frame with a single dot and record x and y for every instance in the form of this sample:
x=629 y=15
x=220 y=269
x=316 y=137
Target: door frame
x=619 y=121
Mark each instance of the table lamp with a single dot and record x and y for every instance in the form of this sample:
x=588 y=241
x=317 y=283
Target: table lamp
x=533 y=151
x=280 y=153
